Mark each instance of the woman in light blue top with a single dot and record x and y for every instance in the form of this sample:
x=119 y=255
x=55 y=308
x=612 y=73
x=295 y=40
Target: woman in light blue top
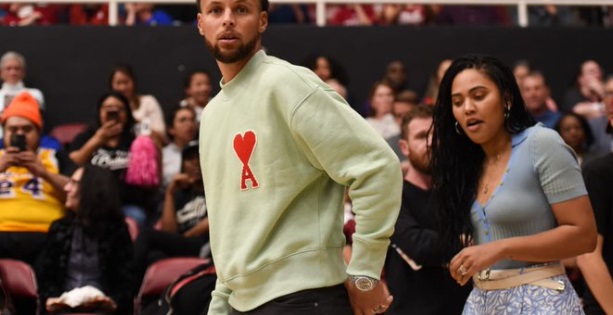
x=511 y=194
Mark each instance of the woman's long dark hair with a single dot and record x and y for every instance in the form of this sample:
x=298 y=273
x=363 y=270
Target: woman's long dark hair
x=99 y=204
x=128 y=129
x=457 y=161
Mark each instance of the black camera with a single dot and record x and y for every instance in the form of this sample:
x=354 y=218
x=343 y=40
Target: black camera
x=19 y=141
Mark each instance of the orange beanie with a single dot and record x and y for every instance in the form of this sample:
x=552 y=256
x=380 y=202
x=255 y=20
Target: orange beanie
x=26 y=106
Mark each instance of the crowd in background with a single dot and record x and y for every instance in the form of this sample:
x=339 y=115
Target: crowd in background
x=168 y=203
x=22 y=14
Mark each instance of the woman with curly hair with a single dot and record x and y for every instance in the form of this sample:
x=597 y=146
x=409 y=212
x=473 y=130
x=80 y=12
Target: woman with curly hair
x=511 y=196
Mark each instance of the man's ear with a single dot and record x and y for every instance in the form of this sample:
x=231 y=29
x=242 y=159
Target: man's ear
x=404 y=147
x=263 y=21
x=200 y=26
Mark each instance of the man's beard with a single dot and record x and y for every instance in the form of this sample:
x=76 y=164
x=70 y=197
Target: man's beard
x=241 y=53
x=420 y=163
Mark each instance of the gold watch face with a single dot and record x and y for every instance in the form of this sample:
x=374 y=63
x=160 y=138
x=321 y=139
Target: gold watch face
x=364 y=284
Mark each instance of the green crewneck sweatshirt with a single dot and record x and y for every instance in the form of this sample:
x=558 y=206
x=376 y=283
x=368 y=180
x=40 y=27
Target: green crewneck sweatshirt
x=277 y=149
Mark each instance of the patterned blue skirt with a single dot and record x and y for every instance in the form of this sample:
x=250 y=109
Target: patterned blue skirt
x=525 y=299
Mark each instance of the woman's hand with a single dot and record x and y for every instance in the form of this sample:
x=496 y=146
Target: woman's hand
x=108 y=130
x=473 y=259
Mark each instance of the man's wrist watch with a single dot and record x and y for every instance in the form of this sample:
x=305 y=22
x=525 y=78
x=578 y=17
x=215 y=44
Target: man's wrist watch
x=364 y=283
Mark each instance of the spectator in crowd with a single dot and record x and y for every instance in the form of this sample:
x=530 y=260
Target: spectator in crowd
x=435 y=81
x=351 y=15
x=89 y=14
x=381 y=104
x=12 y=73
x=107 y=144
x=31 y=181
x=396 y=76
x=264 y=144
x=405 y=14
x=89 y=246
x=415 y=264
x=596 y=267
x=486 y=152
x=550 y=15
x=329 y=70
x=521 y=69
x=182 y=129
x=586 y=96
x=198 y=91
x=535 y=92
x=145 y=108
x=143 y=13
x=472 y=15
x=576 y=133
x=326 y=67
x=184 y=222
x=179 y=13
x=404 y=102
x=25 y=14
x=601 y=128
x=289 y=13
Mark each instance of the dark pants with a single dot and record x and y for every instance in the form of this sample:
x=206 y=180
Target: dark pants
x=324 y=301
x=23 y=246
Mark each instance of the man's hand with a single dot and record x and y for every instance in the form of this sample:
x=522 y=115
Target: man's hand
x=29 y=160
x=9 y=158
x=375 y=301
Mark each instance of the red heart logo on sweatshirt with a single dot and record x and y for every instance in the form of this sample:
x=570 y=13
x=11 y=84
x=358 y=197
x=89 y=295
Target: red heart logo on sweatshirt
x=243 y=146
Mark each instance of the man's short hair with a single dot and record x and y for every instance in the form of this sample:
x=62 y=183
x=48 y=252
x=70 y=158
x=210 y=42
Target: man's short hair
x=538 y=74
x=407 y=96
x=263 y=5
x=420 y=111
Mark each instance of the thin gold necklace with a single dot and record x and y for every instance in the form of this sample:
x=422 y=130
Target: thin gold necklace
x=486 y=188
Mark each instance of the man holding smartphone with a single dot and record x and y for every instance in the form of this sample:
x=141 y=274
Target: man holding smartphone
x=31 y=183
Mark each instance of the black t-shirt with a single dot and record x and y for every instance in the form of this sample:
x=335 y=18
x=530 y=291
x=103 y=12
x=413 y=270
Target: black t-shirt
x=116 y=160
x=190 y=208
x=598 y=177
x=429 y=290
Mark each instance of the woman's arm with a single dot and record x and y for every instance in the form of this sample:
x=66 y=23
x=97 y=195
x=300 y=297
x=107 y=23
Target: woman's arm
x=575 y=235
x=169 y=219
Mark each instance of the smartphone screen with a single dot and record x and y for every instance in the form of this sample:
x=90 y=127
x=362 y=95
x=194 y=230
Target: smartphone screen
x=19 y=141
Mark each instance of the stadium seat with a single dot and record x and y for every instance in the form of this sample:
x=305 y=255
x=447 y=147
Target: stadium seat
x=19 y=280
x=67 y=132
x=161 y=274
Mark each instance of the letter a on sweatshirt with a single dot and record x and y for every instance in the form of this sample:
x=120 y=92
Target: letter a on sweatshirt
x=243 y=146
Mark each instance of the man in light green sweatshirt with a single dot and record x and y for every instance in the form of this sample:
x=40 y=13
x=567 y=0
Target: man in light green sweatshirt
x=278 y=147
